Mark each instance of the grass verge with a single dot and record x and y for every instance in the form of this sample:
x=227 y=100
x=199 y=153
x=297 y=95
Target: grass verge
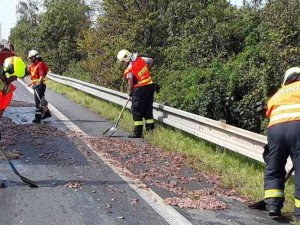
x=234 y=170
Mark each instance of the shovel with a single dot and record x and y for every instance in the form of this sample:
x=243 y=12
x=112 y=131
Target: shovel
x=24 y=179
x=113 y=129
x=261 y=205
x=43 y=102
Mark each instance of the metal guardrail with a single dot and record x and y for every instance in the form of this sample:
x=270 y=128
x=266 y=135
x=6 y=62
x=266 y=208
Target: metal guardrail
x=247 y=143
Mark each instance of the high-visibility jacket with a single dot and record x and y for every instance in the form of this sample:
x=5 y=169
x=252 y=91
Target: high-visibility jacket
x=6 y=88
x=141 y=72
x=37 y=70
x=6 y=93
x=284 y=106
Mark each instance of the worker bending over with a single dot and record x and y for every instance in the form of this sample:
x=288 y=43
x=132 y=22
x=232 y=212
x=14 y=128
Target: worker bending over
x=141 y=88
x=283 y=140
x=13 y=68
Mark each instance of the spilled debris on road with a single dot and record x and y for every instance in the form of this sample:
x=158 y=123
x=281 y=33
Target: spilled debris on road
x=167 y=171
x=158 y=168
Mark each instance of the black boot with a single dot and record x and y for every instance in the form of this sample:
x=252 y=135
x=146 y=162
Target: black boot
x=46 y=115
x=149 y=127
x=137 y=132
x=38 y=116
x=274 y=212
x=2 y=185
x=261 y=205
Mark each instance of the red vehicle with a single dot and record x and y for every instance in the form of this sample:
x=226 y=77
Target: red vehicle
x=6 y=50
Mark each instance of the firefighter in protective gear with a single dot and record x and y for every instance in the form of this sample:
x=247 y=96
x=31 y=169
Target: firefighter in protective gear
x=141 y=88
x=13 y=67
x=283 y=141
x=38 y=71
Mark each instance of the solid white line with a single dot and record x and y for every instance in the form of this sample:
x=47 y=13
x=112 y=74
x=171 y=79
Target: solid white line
x=170 y=215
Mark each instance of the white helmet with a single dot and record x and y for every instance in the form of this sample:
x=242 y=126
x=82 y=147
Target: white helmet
x=124 y=55
x=33 y=53
x=294 y=71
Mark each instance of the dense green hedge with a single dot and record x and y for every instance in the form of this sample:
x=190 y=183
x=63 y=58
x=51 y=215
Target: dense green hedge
x=211 y=58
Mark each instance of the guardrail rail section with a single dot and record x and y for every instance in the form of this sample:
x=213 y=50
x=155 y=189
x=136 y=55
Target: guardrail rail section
x=247 y=143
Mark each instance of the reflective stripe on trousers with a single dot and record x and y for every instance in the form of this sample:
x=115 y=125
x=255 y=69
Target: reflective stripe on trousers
x=274 y=193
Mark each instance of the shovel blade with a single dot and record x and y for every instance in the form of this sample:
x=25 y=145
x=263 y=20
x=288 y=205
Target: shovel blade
x=261 y=205
x=111 y=128
x=29 y=182
x=114 y=130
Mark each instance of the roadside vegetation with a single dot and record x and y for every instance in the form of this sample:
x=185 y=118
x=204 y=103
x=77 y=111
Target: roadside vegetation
x=211 y=58
x=234 y=170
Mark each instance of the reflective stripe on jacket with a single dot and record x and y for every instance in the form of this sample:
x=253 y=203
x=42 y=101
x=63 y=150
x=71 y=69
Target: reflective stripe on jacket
x=284 y=106
x=33 y=69
x=140 y=70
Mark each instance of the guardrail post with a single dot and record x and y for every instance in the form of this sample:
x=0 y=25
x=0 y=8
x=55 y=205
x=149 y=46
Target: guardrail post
x=220 y=149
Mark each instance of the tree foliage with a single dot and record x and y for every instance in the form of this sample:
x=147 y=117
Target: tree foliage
x=211 y=58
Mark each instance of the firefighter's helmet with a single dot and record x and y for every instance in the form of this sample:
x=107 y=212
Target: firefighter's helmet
x=291 y=75
x=33 y=53
x=124 y=55
x=14 y=66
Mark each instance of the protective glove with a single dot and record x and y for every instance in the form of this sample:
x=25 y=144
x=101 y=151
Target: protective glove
x=157 y=88
x=34 y=87
x=3 y=78
x=27 y=73
x=12 y=78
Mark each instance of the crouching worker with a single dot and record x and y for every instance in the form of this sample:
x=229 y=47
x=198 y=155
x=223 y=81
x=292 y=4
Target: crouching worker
x=38 y=71
x=283 y=141
x=13 y=68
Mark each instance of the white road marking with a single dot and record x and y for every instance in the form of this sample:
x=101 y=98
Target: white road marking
x=170 y=215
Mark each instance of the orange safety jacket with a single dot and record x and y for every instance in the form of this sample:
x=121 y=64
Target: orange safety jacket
x=34 y=71
x=140 y=70
x=6 y=93
x=284 y=106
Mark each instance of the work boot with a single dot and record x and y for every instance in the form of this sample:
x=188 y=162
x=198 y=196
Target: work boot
x=150 y=127
x=137 y=132
x=35 y=120
x=274 y=212
x=133 y=135
x=2 y=185
x=37 y=117
x=46 y=115
x=261 y=205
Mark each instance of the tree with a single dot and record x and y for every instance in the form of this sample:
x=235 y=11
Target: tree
x=24 y=36
x=61 y=26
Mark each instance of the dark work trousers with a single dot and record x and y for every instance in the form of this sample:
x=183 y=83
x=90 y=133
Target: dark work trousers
x=142 y=108
x=283 y=140
x=40 y=90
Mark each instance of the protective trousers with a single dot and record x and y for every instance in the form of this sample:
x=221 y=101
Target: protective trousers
x=40 y=90
x=283 y=140
x=142 y=108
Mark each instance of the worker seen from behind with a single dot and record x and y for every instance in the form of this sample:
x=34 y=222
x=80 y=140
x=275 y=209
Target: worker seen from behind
x=283 y=141
x=141 y=88
x=13 y=68
x=38 y=71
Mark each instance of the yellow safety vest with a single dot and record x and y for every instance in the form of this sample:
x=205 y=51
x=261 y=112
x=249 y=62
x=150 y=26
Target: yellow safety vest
x=284 y=106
